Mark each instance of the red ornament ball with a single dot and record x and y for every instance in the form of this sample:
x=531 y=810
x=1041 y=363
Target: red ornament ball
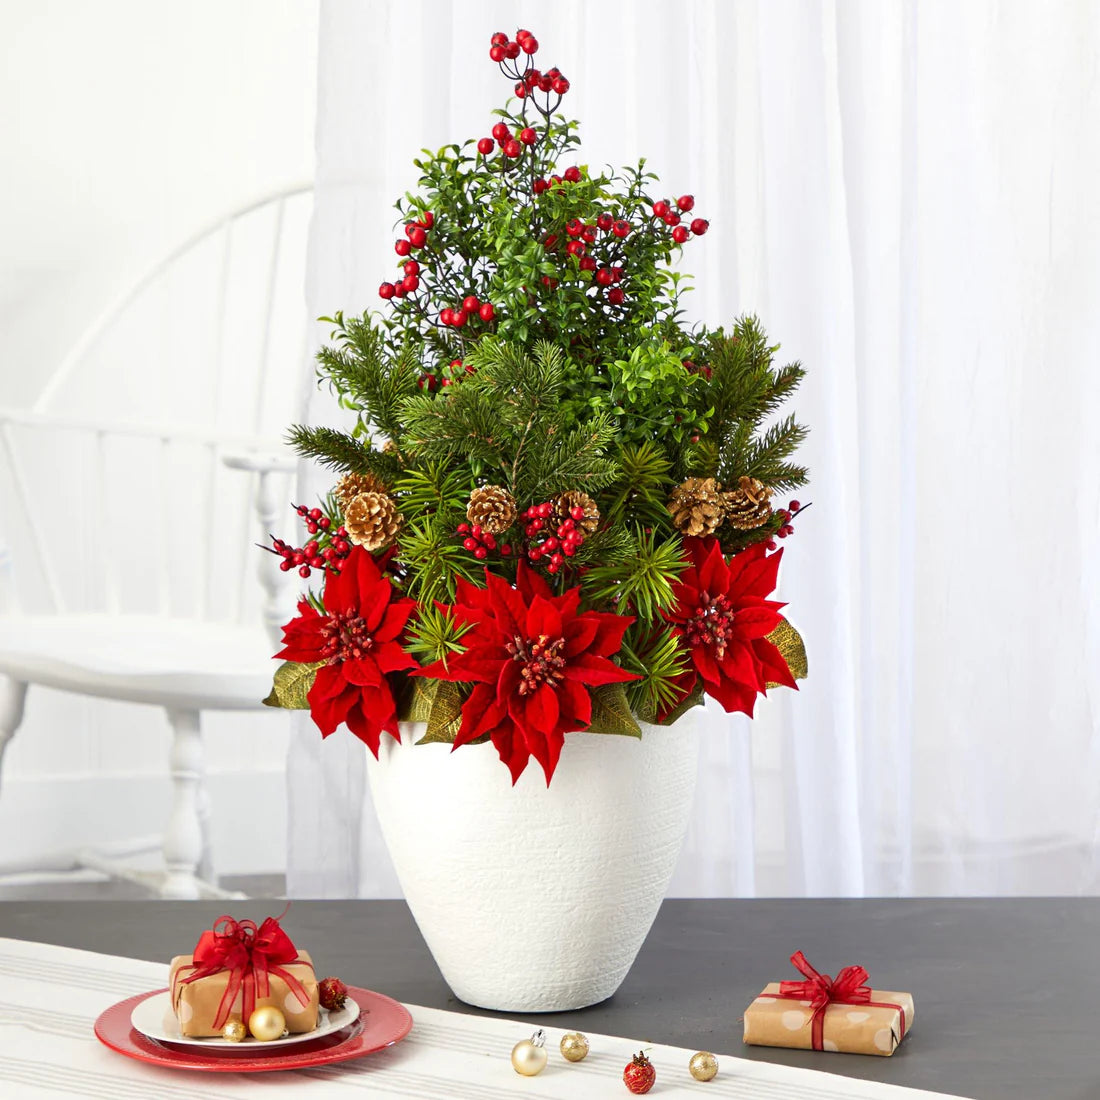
x=699 y=226
x=458 y=318
x=485 y=146
x=588 y=263
x=639 y=1075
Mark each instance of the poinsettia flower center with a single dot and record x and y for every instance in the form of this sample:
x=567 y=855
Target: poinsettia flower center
x=345 y=637
x=543 y=661
x=712 y=624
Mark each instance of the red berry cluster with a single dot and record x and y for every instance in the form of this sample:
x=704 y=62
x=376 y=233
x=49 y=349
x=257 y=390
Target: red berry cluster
x=552 y=545
x=785 y=516
x=416 y=236
x=468 y=310
x=479 y=542
x=510 y=145
x=529 y=80
x=663 y=211
x=328 y=552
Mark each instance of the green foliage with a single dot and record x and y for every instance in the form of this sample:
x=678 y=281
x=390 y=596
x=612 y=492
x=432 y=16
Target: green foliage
x=339 y=451
x=434 y=559
x=640 y=582
x=655 y=655
x=434 y=635
x=654 y=397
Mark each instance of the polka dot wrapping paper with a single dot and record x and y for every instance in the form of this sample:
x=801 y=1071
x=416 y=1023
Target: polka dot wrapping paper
x=874 y=1028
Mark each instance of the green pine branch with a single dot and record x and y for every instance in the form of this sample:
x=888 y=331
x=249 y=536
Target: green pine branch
x=640 y=582
x=659 y=658
x=342 y=452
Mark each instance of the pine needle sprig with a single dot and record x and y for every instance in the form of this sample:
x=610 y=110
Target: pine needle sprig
x=340 y=451
x=571 y=460
x=434 y=560
x=641 y=581
x=433 y=490
x=658 y=658
x=434 y=635
x=641 y=489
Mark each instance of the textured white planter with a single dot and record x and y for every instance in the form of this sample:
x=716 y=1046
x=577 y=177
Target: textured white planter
x=536 y=899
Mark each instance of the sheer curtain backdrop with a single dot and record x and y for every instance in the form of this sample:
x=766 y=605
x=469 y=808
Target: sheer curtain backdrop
x=905 y=193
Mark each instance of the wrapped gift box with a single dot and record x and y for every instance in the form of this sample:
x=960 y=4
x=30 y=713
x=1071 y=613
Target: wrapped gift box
x=196 y=1003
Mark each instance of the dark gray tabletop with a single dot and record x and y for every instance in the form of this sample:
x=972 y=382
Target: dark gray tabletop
x=1006 y=990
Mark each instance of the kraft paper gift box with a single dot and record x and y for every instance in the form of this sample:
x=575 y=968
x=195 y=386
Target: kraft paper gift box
x=196 y=1003
x=784 y=1017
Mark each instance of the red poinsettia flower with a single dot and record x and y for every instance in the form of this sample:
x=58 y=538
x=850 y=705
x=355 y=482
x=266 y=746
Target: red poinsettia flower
x=723 y=614
x=531 y=656
x=357 y=641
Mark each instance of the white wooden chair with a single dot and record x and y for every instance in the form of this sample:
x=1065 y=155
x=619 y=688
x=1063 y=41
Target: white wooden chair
x=131 y=499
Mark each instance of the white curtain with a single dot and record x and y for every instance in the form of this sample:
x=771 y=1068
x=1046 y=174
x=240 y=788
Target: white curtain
x=906 y=195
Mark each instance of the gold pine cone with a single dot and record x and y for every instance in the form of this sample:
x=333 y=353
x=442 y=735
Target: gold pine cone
x=493 y=507
x=697 y=507
x=749 y=506
x=372 y=520
x=564 y=503
x=352 y=485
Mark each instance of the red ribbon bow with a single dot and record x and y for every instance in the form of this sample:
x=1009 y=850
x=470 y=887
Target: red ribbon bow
x=251 y=955
x=847 y=988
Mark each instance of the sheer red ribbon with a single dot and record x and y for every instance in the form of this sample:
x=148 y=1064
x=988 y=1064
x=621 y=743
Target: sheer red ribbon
x=847 y=988
x=251 y=955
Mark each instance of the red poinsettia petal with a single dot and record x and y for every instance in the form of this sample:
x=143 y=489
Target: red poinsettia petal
x=575 y=704
x=367 y=727
x=330 y=699
x=538 y=710
x=392 y=658
x=543 y=618
x=579 y=634
x=713 y=576
x=363 y=672
x=341 y=592
x=303 y=652
x=611 y=628
x=479 y=663
x=774 y=664
x=755 y=622
x=481 y=714
x=753 y=572
x=706 y=665
x=512 y=749
x=739 y=665
x=374 y=601
x=393 y=621
x=546 y=749
x=530 y=583
x=732 y=696
x=508 y=608
x=587 y=668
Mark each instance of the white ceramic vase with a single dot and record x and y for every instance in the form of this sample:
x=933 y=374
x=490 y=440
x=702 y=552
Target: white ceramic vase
x=537 y=899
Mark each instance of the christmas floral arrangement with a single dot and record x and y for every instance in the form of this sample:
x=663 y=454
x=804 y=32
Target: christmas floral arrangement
x=557 y=508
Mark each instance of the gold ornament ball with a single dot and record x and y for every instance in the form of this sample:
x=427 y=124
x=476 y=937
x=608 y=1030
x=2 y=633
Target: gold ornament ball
x=267 y=1023
x=529 y=1055
x=574 y=1046
x=703 y=1066
x=234 y=1030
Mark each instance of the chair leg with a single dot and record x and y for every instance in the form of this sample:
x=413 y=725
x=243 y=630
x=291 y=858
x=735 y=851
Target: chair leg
x=13 y=696
x=184 y=839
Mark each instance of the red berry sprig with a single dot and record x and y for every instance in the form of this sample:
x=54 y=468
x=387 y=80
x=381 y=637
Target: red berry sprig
x=639 y=1074
x=550 y=85
x=548 y=545
x=786 y=515
x=326 y=552
x=667 y=212
x=480 y=542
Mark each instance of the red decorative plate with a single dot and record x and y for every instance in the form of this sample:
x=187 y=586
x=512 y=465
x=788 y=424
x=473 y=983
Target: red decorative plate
x=381 y=1023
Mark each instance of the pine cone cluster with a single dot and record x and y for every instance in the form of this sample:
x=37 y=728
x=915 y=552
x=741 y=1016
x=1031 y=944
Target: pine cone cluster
x=565 y=504
x=352 y=485
x=372 y=520
x=493 y=508
x=749 y=506
x=697 y=507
